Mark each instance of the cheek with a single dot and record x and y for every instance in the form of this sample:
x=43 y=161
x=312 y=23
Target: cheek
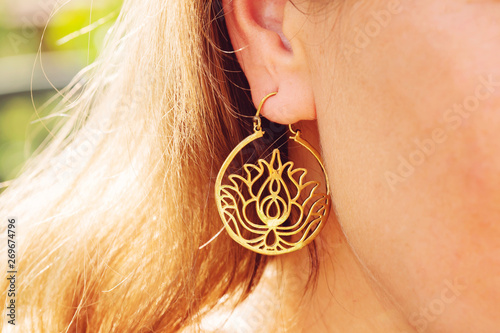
x=411 y=119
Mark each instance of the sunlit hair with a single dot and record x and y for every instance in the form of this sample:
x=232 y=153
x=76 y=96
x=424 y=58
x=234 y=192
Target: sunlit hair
x=112 y=211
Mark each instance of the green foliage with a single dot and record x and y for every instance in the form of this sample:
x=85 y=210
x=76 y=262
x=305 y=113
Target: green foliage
x=75 y=27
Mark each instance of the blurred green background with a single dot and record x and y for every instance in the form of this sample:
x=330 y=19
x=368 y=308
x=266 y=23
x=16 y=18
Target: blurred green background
x=69 y=35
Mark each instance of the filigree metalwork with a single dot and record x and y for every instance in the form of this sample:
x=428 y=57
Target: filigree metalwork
x=270 y=207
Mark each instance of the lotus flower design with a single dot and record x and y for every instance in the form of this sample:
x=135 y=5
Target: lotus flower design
x=271 y=208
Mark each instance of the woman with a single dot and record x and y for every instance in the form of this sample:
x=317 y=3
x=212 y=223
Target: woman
x=116 y=218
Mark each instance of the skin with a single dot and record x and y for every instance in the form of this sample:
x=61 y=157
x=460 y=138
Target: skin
x=406 y=110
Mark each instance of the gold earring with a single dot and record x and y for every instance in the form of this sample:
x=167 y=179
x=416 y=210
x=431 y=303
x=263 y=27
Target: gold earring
x=266 y=207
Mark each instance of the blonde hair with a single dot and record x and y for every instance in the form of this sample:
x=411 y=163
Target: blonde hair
x=111 y=213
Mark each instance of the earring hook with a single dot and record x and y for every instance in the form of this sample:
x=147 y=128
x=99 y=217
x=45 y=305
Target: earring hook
x=256 y=118
x=261 y=104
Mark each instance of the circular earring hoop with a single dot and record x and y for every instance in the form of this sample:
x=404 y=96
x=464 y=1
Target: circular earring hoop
x=270 y=207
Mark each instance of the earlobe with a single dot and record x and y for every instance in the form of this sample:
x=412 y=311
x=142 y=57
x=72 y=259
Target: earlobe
x=271 y=61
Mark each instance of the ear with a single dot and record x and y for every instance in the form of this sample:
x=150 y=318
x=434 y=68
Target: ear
x=272 y=60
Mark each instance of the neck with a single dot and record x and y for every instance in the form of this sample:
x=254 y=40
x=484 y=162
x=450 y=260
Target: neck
x=345 y=299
